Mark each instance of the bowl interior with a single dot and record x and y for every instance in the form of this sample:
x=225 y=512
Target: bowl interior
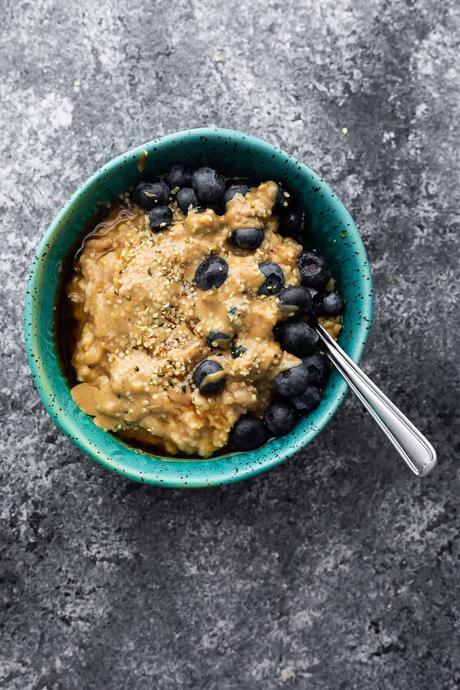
x=235 y=154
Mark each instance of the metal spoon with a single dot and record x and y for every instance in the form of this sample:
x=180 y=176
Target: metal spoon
x=413 y=447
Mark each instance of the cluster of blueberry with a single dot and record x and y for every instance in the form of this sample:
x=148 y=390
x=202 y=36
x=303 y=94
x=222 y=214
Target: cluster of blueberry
x=194 y=190
x=206 y=188
x=298 y=389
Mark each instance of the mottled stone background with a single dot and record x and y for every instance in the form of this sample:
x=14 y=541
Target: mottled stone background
x=338 y=570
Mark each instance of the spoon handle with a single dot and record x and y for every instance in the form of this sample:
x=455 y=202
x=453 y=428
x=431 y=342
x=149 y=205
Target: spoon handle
x=413 y=447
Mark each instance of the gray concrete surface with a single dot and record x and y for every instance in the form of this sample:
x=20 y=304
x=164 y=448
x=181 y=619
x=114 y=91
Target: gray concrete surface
x=338 y=570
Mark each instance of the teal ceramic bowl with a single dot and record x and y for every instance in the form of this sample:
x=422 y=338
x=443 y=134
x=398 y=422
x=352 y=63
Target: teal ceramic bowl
x=235 y=154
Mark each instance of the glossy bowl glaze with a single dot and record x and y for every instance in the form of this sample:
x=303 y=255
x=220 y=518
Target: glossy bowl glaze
x=333 y=233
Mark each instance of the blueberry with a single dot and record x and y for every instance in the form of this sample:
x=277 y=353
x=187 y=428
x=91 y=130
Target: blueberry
x=274 y=278
x=208 y=185
x=296 y=299
x=293 y=223
x=280 y=417
x=234 y=189
x=283 y=200
x=160 y=218
x=248 y=433
x=291 y=382
x=237 y=351
x=247 y=238
x=186 y=198
x=298 y=338
x=318 y=368
x=150 y=194
x=277 y=330
x=316 y=297
x=209 y=377
x=179 y=176
x=212 y=272
x=332 y=304
x=307 y=400
x=219 y=339
x=314 y=270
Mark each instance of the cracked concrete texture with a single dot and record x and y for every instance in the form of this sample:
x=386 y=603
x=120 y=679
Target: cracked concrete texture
x=338 y=570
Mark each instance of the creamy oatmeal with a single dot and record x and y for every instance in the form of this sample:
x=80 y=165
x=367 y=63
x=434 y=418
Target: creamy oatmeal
x=154 y=299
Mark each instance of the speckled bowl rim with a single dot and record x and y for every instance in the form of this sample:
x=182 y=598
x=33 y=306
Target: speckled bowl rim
x=227 y=469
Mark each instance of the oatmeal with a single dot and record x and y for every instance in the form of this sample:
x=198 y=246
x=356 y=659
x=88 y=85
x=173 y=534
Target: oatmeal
x=177 y=314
